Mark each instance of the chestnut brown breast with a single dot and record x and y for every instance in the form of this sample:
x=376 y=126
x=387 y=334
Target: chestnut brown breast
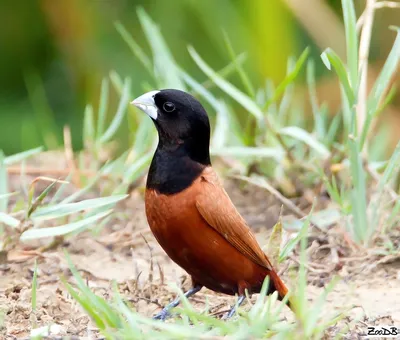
x=200 y=230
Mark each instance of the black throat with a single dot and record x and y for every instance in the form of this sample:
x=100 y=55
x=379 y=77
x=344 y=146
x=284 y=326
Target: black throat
x=175 y=167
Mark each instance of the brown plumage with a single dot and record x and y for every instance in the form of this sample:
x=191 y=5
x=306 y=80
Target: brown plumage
x=201 y=230
x=188 y=210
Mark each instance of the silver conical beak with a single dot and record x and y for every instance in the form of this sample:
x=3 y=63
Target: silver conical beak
x=146 y=104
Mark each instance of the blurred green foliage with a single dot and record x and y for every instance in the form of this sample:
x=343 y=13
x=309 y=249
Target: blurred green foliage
x=55 y=53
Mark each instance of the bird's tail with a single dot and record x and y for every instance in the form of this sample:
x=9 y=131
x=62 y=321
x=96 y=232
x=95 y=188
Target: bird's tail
x=280 y=287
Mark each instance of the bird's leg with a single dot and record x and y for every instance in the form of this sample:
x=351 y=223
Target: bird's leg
x=233 y=309
x=164 y=314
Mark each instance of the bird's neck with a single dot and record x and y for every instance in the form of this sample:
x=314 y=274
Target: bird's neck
x=175 y=167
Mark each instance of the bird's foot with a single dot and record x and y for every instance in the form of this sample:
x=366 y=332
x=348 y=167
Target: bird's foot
x=229 y=314
x=163 y=315
x=233 y=309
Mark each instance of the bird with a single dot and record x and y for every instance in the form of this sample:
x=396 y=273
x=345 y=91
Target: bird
x=189 y=212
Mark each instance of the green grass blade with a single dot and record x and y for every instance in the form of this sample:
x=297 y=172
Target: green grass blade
x=391 y=169
x=393 y=217
x=333 y=130
x=88 y=126
x=392 y=166
x=201 y=90
x=287 y=96
x=250 y=152
x=360 y=230
x=9 y=220
x=350 y=23
x=101 y=117
x=348 y=116
x=19 y=157
x=34 y=287
x=227 y=87
x=129 y=315
x=3 y=196
x=144 y=136
x=312 y=90
x=242 y=74
x=227 y=70
x=303 y=136
x=301 y=303
x=165 y=66
x=386 y=74
x=108 y=314
x=381 y=85
x=86 y=304
x=35 y=204
x=386 y=101
x=118 y=118
x=61 y=189
x=116 y=166
x=134 y=171
x=317 y=308
x=65 y=229
x=289 y=79
x=117 y=82
x=86 y=189
x=61 y=210
x=288 y=248
x=135 y=48
x=330 y=58
x=222 y=127
x=225 y=118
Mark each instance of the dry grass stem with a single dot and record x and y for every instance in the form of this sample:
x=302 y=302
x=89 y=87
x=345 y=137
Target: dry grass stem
x=365 y=41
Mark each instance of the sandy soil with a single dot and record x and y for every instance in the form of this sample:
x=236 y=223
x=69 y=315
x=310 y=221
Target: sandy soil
x=124 y=250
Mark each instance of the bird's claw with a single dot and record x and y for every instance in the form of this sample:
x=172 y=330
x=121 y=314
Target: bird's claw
x=229 y=314
x=162 y=316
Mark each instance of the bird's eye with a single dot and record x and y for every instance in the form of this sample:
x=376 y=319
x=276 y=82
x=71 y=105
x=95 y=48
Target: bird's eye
x=168 y=107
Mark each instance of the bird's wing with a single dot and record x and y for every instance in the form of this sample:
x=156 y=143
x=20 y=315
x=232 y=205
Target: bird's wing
x=217 y=209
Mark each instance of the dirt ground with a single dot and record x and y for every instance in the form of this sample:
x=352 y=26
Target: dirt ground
x=123 y=252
